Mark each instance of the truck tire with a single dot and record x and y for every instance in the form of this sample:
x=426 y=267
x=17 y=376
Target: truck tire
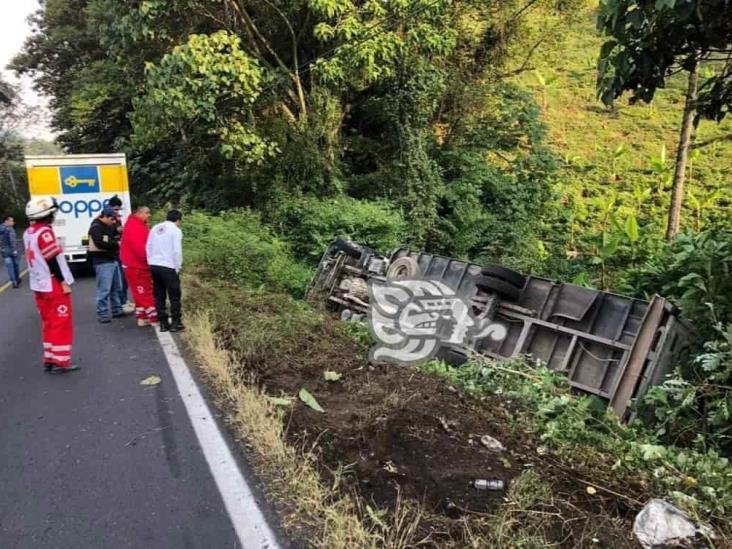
x=404 y=267
x=508 y=275
x=499 y=287
x=341 y=244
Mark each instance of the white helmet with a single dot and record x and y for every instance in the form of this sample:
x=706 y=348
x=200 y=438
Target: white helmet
x=38 y=208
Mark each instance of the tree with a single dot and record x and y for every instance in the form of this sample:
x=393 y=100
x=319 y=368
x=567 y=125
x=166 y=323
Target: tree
x=651 y=42
x=87 y=95
x=6 y=93
x=206 y=85
x=11 y=146
x=682 y=154
x=227 y=103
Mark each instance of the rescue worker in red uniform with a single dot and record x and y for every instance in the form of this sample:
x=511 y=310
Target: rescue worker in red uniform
x=136 y=269
x=51 y=280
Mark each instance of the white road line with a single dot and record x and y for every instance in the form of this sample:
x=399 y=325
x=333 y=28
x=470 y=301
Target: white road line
x=246 y=516
x=8 y=284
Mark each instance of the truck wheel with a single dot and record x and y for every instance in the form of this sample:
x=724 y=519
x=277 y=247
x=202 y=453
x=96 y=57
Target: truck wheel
x=510 y=276
x=499 y=287
x=404 y=267
x=341 y=244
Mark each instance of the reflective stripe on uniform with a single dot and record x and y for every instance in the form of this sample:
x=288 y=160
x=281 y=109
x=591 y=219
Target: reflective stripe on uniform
x=61 y=348
x=57 y=357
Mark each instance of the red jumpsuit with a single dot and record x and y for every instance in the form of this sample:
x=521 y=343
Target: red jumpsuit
x=57 y=326
x=136 y=269
x=46 y=263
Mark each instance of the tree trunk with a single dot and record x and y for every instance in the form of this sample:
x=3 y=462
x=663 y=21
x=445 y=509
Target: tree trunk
x=682 y=156
x=13 y=188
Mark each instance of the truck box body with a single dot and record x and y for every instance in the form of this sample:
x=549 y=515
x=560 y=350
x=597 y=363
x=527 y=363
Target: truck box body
x=612 y=346
x=82 y=185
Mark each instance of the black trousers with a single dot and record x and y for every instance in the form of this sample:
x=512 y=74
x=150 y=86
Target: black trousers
x=166 y=285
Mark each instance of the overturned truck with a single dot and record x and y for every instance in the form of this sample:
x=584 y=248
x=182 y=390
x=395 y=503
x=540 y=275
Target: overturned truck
x=608 y=345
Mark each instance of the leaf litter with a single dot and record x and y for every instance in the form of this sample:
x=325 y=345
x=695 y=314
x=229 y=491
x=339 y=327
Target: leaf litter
x=151 y=381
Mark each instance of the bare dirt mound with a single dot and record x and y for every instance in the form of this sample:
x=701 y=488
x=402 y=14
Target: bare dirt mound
x=393 y=436
x=399 y=428
x=399 y=432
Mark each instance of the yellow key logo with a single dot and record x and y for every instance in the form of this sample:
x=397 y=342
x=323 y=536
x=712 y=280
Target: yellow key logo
x=72 y=182
x=79 y=179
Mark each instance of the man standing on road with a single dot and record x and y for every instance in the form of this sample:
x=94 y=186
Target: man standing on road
x=134 y=265
x=9 y=249
x=50 y=280
x=165 y=257
x=104 y=253
x=116 y=204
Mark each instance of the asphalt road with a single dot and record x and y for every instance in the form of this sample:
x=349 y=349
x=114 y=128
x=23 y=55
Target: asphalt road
x=4 y=279
x=93 y=459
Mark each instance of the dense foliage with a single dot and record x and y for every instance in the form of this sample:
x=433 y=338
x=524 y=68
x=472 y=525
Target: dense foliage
x=310 y=223
x=694 y=406
x=652 y=40
x=12 y=192
x=228 y=104
x=236 y=247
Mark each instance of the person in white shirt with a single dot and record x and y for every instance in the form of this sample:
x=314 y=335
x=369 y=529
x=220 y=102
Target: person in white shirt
x=165 y=257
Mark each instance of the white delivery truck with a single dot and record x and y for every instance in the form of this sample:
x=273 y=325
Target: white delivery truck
x=82 y=184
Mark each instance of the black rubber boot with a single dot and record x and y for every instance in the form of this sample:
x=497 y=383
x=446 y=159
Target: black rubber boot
x=59 y=370
x=177 y=326
x=164 y=325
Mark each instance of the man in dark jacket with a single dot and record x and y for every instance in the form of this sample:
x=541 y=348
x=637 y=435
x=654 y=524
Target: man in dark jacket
x=9 y=249
x=116 y=204
x=104 y=254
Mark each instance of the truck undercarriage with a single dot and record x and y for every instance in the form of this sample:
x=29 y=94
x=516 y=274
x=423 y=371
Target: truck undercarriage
x=609 y=345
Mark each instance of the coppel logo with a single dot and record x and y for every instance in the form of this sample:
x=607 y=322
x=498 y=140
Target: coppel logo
x=79 y=179
x=81 y=207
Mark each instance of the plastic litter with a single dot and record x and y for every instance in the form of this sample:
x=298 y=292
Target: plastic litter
x=492 y=443
x=660 y=524
x=494 y=484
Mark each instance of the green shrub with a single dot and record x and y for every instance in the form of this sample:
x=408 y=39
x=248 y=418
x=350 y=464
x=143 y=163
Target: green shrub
x=236 y=247
x=695 y=272
x=694 y=406
x=310 y=223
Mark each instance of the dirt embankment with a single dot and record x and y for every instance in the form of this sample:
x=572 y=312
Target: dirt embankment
x=393 y=437
x=402 y=433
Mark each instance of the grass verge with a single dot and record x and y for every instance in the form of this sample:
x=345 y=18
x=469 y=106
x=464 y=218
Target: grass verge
x=327 y=518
